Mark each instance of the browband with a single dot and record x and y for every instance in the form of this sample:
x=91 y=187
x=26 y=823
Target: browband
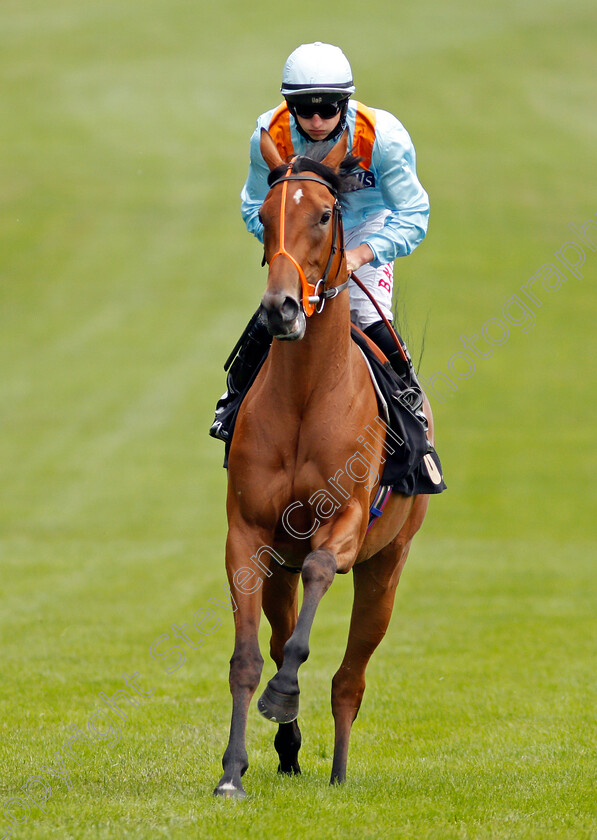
x=299 y=177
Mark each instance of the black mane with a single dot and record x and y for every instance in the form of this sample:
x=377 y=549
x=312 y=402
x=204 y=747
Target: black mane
x=342 y=182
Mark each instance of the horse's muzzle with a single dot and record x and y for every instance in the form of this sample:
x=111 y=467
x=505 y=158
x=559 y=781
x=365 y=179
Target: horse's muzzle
x=285 y=318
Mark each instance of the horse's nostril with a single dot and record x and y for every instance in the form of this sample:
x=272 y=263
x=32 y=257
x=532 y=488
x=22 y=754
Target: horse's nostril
x=282 y=311
x=289 y=309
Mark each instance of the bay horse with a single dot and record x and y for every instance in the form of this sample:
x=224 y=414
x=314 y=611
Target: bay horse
x=298 y=426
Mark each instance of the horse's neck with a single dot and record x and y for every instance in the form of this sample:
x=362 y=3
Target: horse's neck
x=320 y=360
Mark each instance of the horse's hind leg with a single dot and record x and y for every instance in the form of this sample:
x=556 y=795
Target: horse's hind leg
x=280 y=605
x=288 y=743
x=375 y=582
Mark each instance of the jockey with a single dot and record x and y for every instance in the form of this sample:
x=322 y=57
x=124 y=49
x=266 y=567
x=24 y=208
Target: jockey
x=384 y=220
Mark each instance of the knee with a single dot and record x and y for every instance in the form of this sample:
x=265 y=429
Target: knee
x=319 y=568
x=246 y=665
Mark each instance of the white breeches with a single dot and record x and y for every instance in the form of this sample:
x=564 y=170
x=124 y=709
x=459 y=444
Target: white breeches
x=379 y=281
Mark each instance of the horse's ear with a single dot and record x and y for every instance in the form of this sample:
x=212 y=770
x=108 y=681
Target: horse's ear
x=338 y=153
x=269 y=152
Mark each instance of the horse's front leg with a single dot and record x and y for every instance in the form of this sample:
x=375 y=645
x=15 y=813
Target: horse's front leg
x=337 y=551
x=246 y=662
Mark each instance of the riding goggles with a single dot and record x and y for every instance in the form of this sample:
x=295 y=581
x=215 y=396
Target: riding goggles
x=326 y=110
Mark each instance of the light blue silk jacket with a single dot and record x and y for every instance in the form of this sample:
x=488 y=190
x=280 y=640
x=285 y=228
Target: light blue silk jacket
x=391 y=185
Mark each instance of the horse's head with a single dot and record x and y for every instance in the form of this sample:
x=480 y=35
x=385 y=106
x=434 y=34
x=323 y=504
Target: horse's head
x=302 y=235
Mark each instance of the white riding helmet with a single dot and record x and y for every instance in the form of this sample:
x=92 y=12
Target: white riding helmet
x=317 y=68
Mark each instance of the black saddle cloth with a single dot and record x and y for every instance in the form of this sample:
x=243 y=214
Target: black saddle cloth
x=414 y=466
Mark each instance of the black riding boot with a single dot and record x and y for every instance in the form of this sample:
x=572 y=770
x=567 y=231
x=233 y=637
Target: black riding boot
x=242 y=365
x=411 y=393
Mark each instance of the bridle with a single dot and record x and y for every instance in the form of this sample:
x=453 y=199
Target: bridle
x=314 y=295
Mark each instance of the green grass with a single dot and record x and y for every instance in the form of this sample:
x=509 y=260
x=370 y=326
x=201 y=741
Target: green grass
x=125 y=278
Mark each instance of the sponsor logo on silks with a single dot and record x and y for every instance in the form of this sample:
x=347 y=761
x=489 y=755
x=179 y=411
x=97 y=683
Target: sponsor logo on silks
x=430 y=465
x=365 y=177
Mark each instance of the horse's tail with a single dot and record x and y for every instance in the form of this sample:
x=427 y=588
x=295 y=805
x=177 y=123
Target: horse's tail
x=403 y=329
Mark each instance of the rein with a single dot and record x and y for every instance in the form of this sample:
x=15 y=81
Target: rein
x=381 y=314
x=314 y=294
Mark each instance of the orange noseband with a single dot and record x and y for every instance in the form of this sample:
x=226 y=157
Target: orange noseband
x=307 y=287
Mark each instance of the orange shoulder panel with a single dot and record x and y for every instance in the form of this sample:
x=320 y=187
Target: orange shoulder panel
x=364 y=134
x=279 y=128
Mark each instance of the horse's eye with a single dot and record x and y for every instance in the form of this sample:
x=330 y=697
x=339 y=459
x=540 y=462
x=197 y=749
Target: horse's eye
x=325 y=218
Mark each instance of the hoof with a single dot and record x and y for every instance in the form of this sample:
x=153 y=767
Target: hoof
x=228 y=790
x=290 y=769
x=278 y=707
